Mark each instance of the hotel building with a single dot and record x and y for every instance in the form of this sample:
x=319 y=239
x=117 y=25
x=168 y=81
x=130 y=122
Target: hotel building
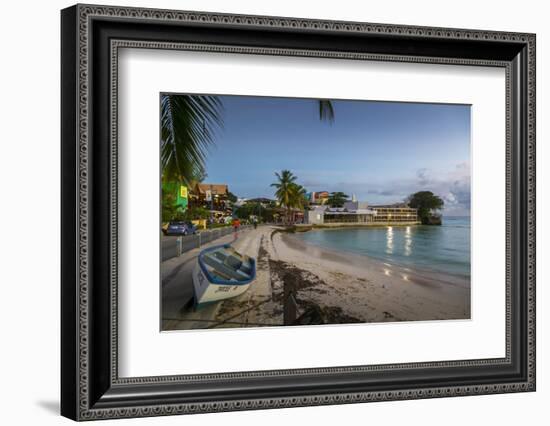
x=395 y=213
x=355 y=213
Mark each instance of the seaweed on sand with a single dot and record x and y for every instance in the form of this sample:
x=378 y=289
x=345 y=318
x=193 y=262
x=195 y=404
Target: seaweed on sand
x=293 y=281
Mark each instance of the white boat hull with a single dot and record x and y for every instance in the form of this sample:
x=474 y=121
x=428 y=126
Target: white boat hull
x=207 y=292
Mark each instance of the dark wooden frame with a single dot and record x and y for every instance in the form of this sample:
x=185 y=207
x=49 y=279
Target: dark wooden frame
x=90 y=386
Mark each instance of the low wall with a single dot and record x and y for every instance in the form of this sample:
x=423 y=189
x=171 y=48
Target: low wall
x=175 y=247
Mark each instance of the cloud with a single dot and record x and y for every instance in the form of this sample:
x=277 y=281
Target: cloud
x=385 y=192
x=452 y=186
x=311 y=183
x=423 y=176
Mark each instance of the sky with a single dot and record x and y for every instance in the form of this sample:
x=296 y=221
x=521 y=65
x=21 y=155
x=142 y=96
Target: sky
x=379 y=151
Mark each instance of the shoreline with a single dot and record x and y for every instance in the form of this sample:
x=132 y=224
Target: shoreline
x=368 y=258
x=373 y=290
x=329 y=287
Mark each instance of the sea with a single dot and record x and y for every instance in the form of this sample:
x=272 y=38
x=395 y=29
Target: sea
x=444 y=248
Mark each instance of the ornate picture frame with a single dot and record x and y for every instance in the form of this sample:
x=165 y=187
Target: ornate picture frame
x=91 y=37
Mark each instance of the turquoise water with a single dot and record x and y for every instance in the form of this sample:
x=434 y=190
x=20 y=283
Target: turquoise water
x=443 y=248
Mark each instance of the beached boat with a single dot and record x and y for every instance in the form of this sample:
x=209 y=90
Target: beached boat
x=221 y=273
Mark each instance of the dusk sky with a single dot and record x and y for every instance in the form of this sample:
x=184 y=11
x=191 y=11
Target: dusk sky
x=379 y=151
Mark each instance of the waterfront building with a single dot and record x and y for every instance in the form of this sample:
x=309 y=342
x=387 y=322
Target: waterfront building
x=354 y=212
x=399 y=212
x=349 y=213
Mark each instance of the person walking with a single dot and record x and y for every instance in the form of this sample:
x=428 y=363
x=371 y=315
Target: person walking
x=236 y=226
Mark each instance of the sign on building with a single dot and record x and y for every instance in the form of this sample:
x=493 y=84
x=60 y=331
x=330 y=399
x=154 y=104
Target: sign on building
x=182 y=197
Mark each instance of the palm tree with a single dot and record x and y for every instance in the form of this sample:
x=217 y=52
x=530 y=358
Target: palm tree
x=286 y=190
x=337 y=199
x=188 y=125
x=298 y=196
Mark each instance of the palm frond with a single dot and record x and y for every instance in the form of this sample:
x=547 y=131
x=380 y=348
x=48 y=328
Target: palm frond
x=326 y=110
x=188 y=127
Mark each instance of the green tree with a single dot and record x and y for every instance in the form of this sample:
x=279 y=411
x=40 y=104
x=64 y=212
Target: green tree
x=289 y=194
x=337 y=199
x=255 y=209
x=196 y=213
x=298 y=197
x=285 y=190
x=169 y=206
x=427 y=204
x=245 y=211
x=231 y=197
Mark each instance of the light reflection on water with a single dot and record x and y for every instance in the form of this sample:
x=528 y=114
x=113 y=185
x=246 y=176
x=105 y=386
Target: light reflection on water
x=445 y=248
x=389 y=239
x=408 y=241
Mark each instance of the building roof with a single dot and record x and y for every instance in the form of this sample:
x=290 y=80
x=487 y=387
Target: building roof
x=260 y=200
x=351 y=205
x=393 y=206
x=351 y=212
x=216 y=188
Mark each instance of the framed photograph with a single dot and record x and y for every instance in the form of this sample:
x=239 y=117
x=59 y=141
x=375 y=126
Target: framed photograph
x=263 y=212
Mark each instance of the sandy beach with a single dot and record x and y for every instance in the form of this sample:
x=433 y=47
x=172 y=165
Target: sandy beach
x=330 y=288
x=370 y=290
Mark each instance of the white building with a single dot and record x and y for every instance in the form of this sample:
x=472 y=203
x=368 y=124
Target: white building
x=349 y=213
x=361 y=213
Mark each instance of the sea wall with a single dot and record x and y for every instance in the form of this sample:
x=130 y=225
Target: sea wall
x=308 y=227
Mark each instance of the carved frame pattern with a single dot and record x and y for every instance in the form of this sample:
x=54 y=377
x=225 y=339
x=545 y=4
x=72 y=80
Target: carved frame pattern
x=85 y=13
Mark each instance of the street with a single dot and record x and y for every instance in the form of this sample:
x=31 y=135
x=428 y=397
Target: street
x=176 y=272
x=177 y=289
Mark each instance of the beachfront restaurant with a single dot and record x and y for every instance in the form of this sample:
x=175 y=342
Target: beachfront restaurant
x=395 y=213
x=341 y=215
x=354 y=213
x=349 y=213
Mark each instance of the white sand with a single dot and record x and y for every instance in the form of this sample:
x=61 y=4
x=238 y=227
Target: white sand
x=357 y=288
x=371 y=290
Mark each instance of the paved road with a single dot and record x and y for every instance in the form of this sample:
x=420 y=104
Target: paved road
x=177 y=281
x=168 y=247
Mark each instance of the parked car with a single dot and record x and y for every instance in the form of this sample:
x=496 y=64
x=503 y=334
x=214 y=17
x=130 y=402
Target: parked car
x=180 y=228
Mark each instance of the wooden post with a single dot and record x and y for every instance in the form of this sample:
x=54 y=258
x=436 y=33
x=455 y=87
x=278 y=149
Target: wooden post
x=289 y=308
